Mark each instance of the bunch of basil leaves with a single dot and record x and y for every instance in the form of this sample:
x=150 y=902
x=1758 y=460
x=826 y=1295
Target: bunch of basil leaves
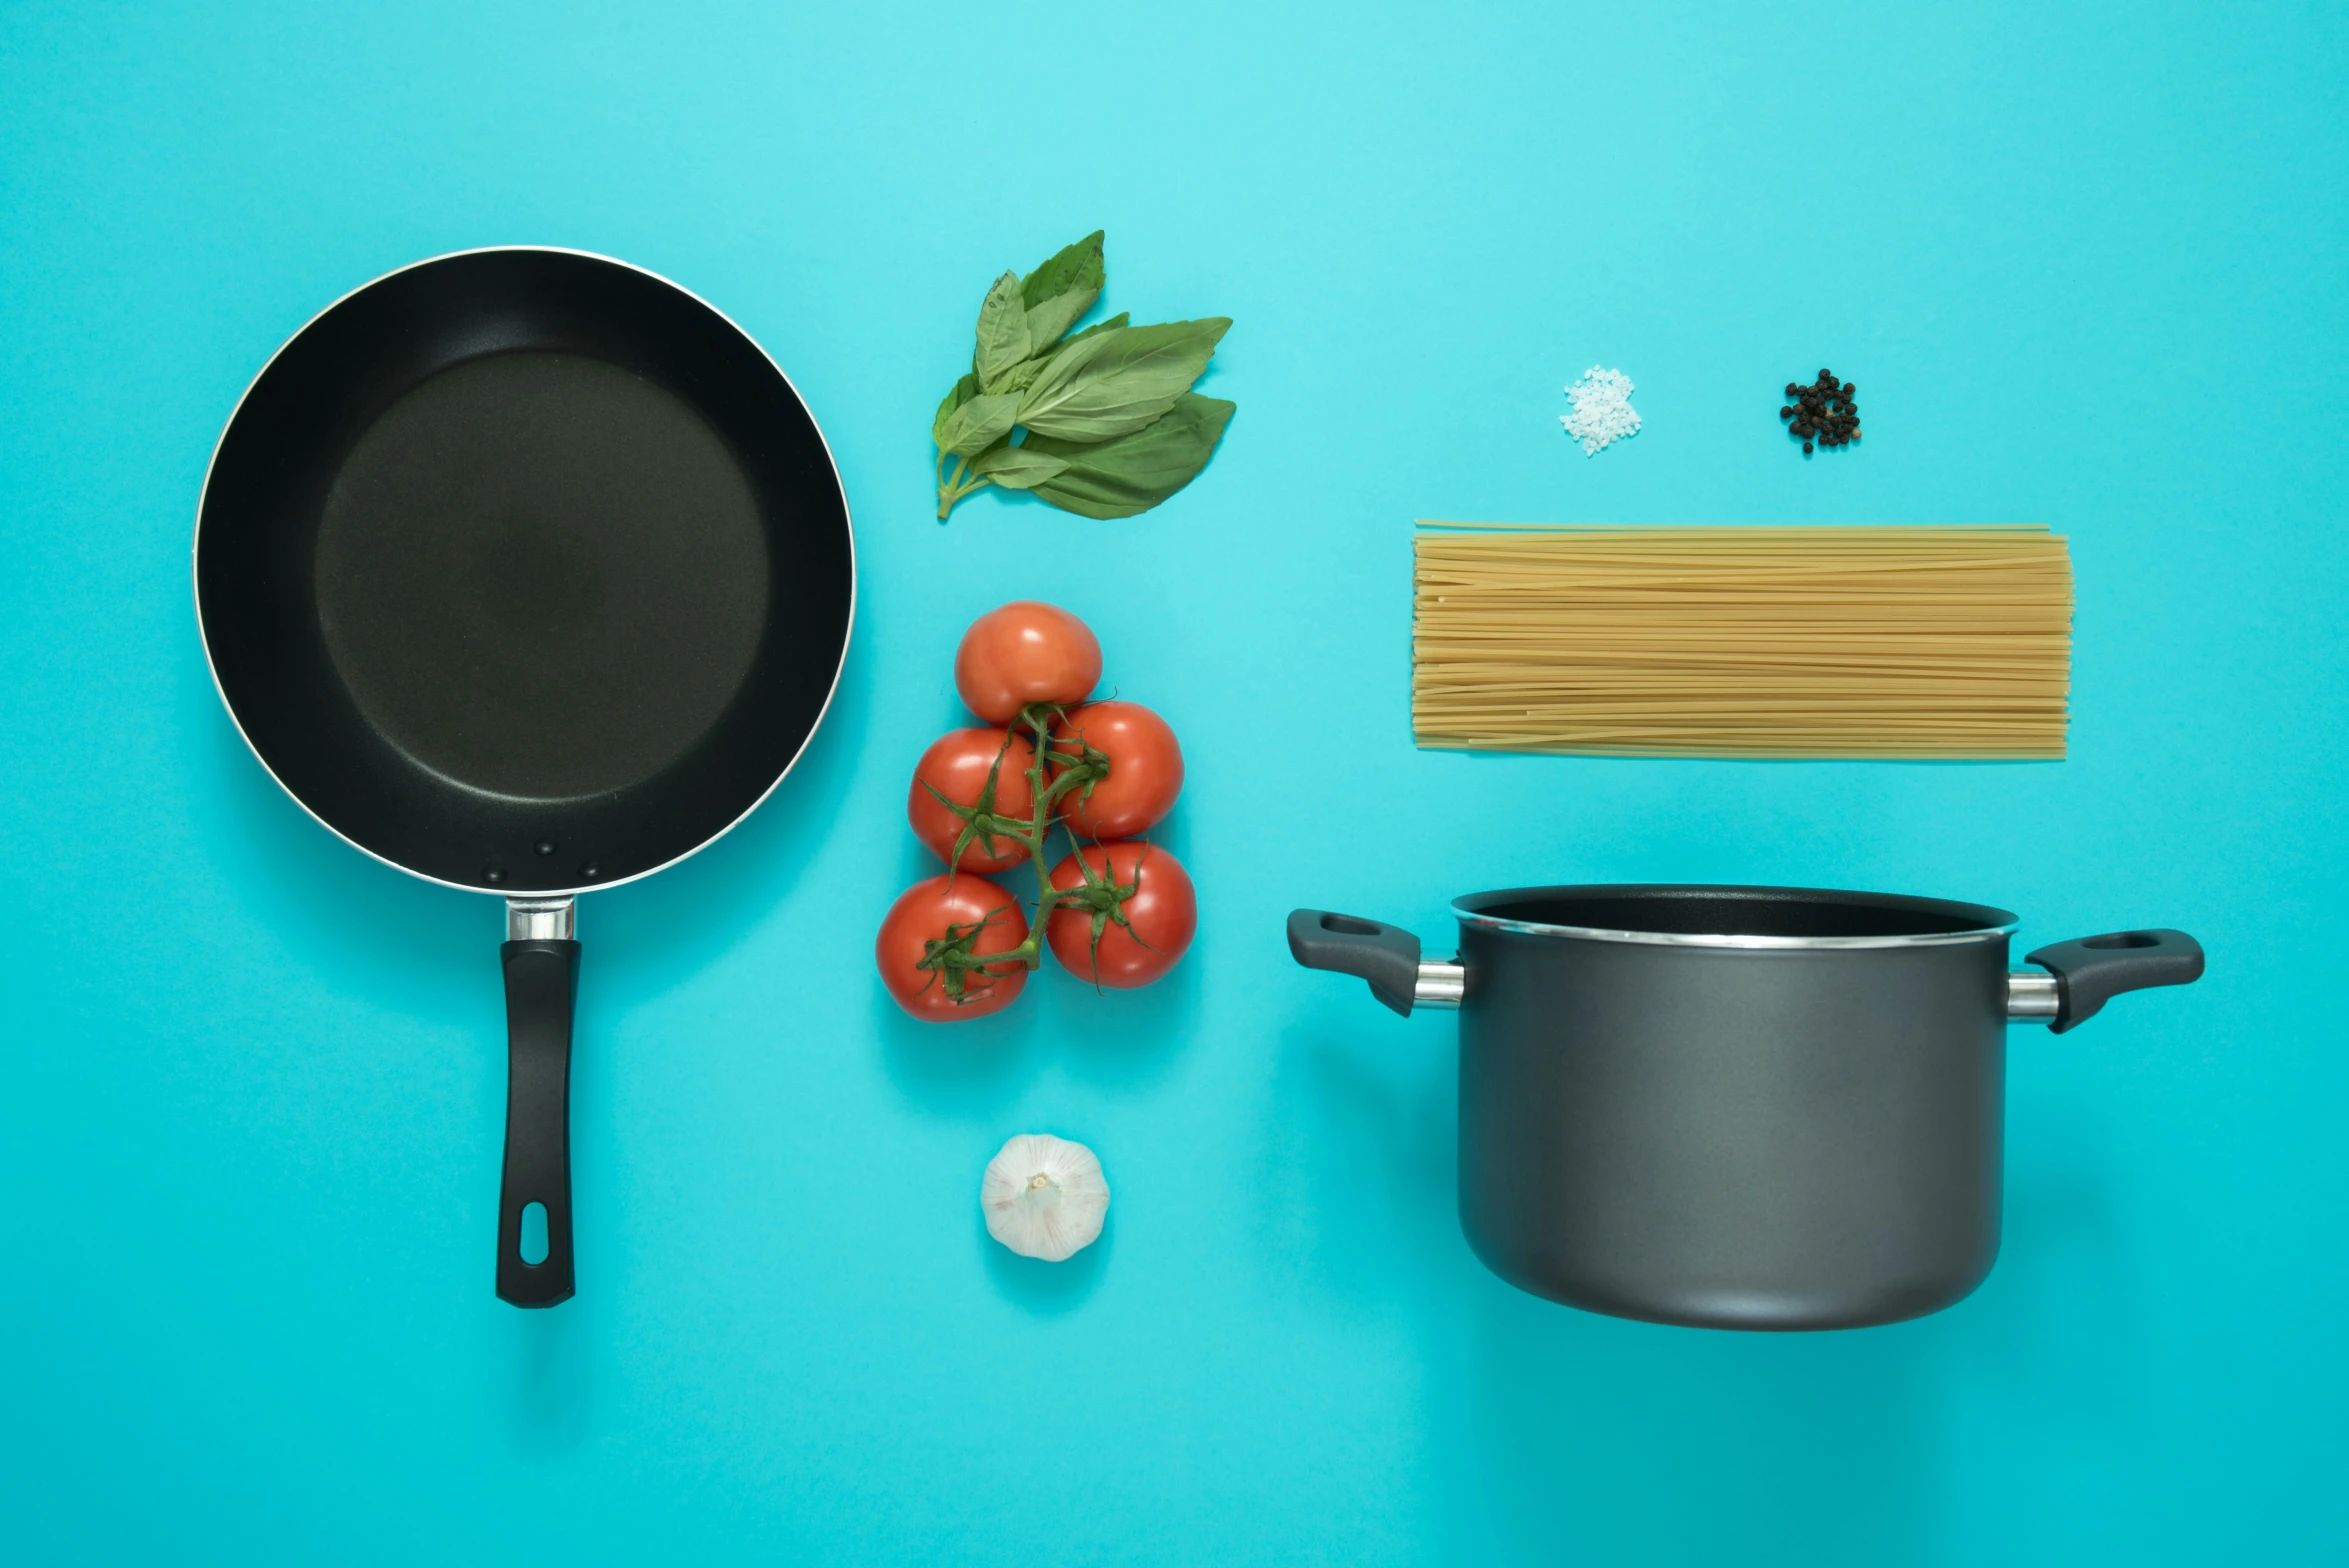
x=1102 y=422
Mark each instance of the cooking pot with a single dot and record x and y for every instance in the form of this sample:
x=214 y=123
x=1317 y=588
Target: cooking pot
x=1736 y=1107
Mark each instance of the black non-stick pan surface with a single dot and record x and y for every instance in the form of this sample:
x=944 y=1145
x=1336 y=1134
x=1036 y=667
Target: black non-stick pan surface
x=527 y=572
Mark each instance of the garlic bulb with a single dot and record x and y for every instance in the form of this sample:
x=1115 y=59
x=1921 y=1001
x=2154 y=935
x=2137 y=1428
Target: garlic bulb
x=1044 y=1197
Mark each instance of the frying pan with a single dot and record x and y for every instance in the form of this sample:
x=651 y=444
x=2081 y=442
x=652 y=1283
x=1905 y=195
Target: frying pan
x=527 y=572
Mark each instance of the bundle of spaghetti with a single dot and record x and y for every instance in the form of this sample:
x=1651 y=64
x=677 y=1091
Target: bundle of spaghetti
x=1948 y=642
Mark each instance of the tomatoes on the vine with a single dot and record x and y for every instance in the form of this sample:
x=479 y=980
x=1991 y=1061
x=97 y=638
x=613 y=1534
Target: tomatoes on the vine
x=1133 y=916
x=1025 y=652
x=958 y=765
x=1119 y=912
x=1145 y=769
x=966 y=910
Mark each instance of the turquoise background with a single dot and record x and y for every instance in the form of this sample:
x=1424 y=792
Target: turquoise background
x=2085 y=263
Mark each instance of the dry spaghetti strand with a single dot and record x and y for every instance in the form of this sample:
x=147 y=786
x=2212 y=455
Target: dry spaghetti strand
x=1742 y=642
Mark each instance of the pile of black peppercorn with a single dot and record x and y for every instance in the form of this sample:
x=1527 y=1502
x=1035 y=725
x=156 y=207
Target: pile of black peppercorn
x=1823 y=412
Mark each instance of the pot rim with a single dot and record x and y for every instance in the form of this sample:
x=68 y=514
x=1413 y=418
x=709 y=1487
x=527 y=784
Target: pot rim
x=1985 y=923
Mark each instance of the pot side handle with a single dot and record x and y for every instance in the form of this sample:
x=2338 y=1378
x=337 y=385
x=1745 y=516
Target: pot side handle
x=1386 y=956
x=2092 y=970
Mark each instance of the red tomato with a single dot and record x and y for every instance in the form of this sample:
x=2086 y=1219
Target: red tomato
x=1145 y=769
x=957 y=765
x=1162 y=914
x=1025 y=652
x=920 y=916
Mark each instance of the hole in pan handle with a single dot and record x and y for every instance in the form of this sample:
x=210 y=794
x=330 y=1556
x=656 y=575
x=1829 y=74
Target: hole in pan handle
x=1386 y=956
x=542 y=981
x=2091 y=971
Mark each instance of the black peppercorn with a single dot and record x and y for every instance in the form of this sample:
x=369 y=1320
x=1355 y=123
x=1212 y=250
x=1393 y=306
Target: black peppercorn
x=1824 y=414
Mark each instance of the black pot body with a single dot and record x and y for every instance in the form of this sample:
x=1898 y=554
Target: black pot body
x=1752 y=1137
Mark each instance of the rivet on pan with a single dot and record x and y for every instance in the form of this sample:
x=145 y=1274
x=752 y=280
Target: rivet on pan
x=545 y=846
x=589 y=872
x=493 y=874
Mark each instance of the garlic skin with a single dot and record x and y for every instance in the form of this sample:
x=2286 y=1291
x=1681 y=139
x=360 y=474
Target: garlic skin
x=1044 y=1197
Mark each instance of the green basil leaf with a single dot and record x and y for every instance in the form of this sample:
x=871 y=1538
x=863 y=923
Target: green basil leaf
x=1046 y=322
x=1003 y=331
x=1061 y=290
x=964 y=390
x=1115 y=382
x=1020 y=376
x=1135 y=472
x=1111 y=325
x=978 y=424
x=1016 y=467
x=1073 y=267
x=1044 y=351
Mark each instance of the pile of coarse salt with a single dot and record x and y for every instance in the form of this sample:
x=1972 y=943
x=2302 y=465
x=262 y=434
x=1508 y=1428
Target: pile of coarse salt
x=1602 y=409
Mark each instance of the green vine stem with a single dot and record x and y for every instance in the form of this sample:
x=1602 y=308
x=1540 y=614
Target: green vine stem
x=962 y=482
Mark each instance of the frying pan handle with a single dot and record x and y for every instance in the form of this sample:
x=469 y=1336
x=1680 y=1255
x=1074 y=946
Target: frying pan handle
x=542 y=979
x=2091 y=971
